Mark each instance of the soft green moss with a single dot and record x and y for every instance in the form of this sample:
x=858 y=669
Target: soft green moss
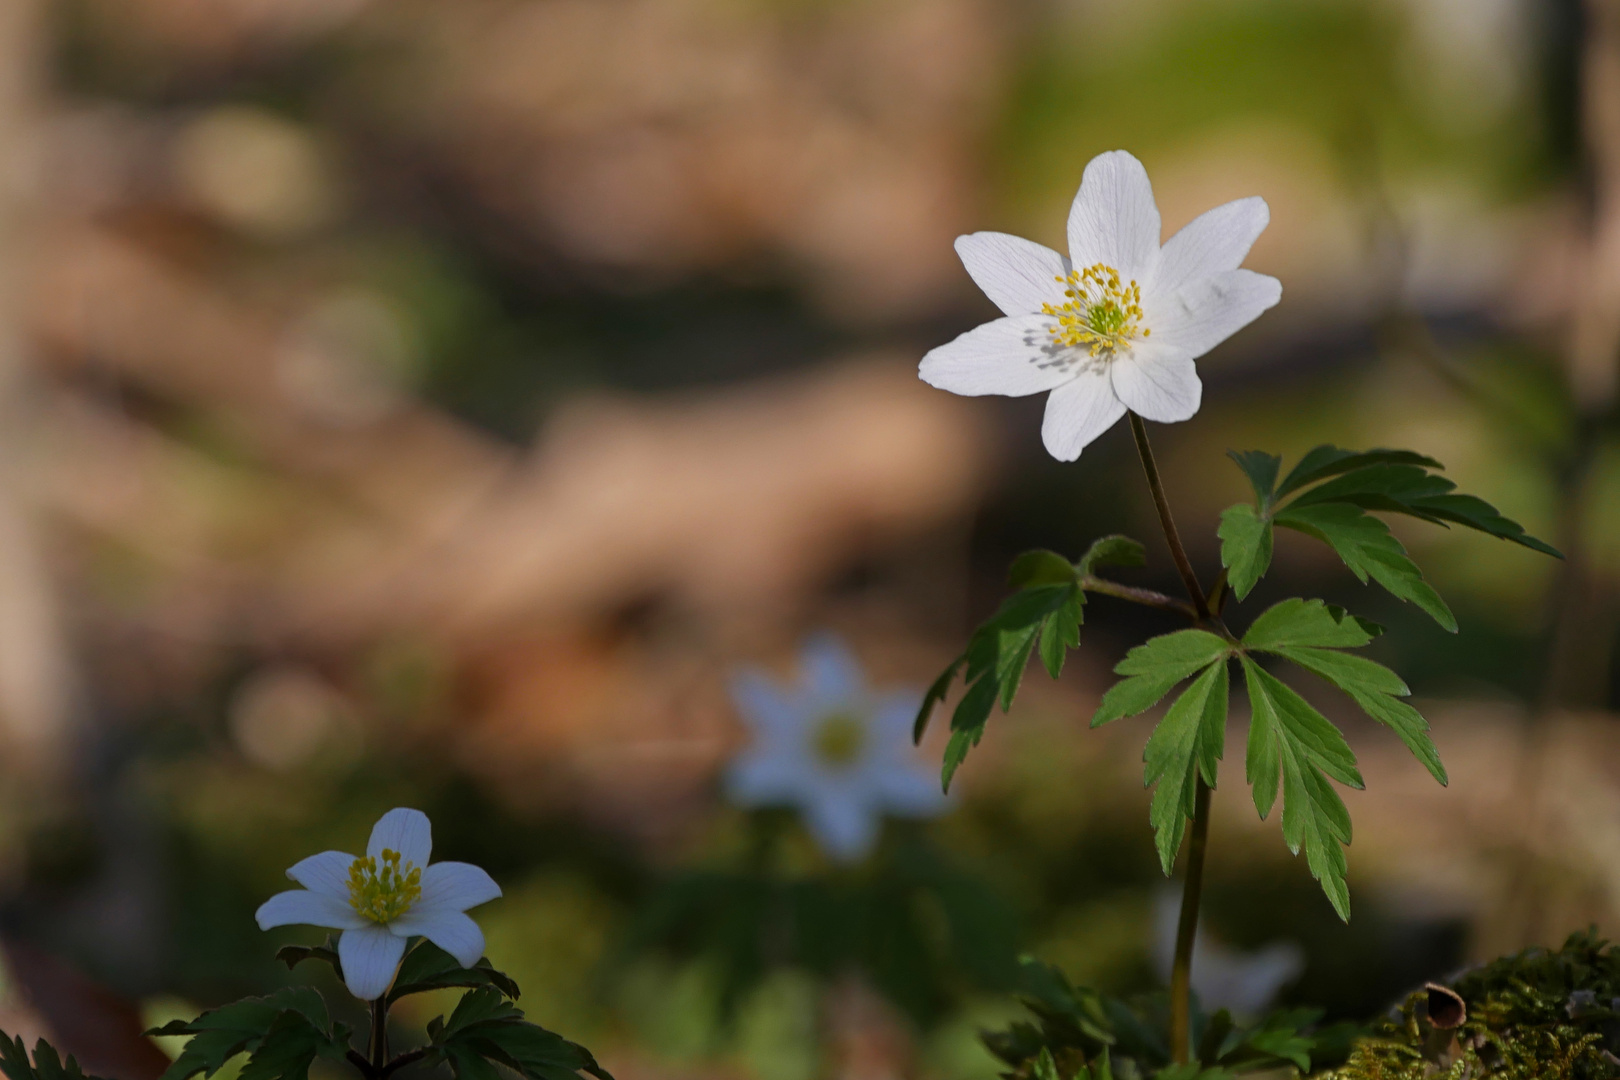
x=1539 y=1015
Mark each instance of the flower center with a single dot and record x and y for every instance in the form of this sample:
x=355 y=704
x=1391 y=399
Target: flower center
x=1098 y=312
x=839 y=739
x=383 y=893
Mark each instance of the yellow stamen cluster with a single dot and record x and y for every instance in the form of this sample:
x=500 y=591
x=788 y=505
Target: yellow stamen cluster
x=1099 y=313
x=839 y=739
x=382 y=894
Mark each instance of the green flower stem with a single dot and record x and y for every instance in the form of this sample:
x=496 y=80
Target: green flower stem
x=1177 y=552
x=1145 y=597
x=379 y=1033
x=1187 y=931
x=1192 y=890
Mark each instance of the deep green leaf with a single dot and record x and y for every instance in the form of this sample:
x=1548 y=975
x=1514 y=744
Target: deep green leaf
x=428 y=967
x=1261 y=469
x=486 y=1027
x=220 y=1034
x=1016 y=647
x=1476 y=513
x=1325 y=461
x=293 y=955
x=1365 y=545
x=47 y=1064
x=935 y=697
x=1245 y=547
x=1113 y=550
x=1040 y=568
x=1187 y=744
x=289 y=1048
x=967 y=726
x=1154 y=667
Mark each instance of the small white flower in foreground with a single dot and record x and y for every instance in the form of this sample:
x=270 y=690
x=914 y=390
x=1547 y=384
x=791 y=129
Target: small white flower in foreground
x=383 y=897
x=1117 y=324
x=837 y=750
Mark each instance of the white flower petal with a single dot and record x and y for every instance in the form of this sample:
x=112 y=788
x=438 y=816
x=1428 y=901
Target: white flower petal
x=772 y=713
x=1016 y=274
x=1078 y=412
x=1012 y=356
x=405 y=831
x=326 y=873
x=832 y=675
x=449 y=929
x=908 y=791
x=843 y=823
x=456 y=885
x=1209 y=311
x=762 y=778
x=1114 y=219
x=1212 y=243
x=1158 y=381
x=300 y=907
x=370 y=955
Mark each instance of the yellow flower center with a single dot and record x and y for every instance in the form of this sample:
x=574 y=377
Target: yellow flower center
x=1099 y=312
x=839 y=739
x=383 y=893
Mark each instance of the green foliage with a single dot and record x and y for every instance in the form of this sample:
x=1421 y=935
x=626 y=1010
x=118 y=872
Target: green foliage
x=282 y=1034
x=1044 y=615
x=1331 y=494
x=1083 y=1034
x=1538 y=1015
x=486 y=1029
x=918 y=928
x=47 y=1064
x=285 y=1033
x=1291 y=744
x=428 y=967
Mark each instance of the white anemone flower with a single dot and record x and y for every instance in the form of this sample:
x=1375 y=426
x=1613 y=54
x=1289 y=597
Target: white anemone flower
x=383 y=897
x=834 y=748
x=1117 y=323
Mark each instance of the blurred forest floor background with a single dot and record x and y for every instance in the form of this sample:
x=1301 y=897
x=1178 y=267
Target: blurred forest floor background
x=415 y=403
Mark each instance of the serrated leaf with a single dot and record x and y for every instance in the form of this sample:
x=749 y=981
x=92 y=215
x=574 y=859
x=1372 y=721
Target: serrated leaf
x=967 y=726
x=1367 y=548
x=428 y=967
x=1305 y=622
x=485 y=1028
x=1153 y=668
x=1040 y=568
x=1113 y=550
x=1325 y=461
x=1308 y=750
x=1187 y=744
x=290 y=1047
x=242 y=1026
x=1245 y=547
x=1261 y=469
x=47 y=1064
x=1476 y=513
x=293 y=955
x=1375 y=689
x=1060 y=631
x=935 y=697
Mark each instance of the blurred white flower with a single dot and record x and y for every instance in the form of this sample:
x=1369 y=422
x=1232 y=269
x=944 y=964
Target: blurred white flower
x=1223 y=977
x=1117 y=324
x=834 y=748
x=383 y=897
